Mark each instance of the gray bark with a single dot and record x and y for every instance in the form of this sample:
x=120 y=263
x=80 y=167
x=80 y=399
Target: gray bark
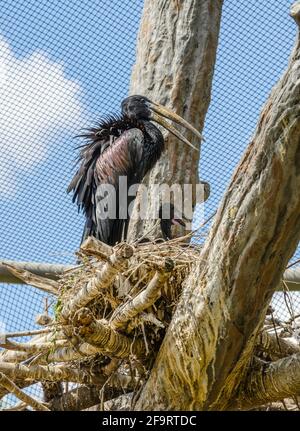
x=48 y=270
x=276 y=347
x=83 y=397
x=269 y=382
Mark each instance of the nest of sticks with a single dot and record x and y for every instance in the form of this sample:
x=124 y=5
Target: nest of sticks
x=111 y=315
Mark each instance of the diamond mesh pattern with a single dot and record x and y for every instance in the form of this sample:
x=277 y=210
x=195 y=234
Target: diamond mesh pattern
x=87 y=49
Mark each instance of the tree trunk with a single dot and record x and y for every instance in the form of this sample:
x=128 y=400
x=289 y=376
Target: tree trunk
x=176 y=52
x=210 y=340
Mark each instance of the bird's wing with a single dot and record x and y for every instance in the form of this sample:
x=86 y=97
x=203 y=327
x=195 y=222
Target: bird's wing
x=121 y=159
x=103 y=162
x=84 y=182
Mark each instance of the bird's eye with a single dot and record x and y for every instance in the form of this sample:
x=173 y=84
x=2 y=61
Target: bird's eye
x=113 y=131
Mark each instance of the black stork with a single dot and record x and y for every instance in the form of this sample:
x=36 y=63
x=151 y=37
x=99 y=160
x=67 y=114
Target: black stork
x=127 y=145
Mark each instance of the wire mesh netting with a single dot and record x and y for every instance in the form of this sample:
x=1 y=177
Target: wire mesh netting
x=65 y=64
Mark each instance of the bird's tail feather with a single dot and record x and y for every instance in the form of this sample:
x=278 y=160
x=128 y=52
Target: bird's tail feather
x=88 y=230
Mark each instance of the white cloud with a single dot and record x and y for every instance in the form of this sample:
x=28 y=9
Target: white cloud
x=37 y=101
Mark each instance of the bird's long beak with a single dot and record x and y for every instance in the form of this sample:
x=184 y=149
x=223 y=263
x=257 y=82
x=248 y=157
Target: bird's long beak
x=165 y=112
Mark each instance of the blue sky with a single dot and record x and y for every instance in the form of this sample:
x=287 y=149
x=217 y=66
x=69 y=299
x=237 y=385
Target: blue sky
x=88 y=48
x=84 y=37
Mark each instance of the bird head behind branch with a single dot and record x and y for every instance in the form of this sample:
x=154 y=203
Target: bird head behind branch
x=169 y=217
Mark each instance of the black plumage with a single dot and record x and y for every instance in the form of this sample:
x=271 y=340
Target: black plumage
x=127 y=145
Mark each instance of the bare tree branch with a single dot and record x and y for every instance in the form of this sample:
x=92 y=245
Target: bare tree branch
x=100 y=334
x=116 y=263
x=13 y=388
x=82 y=398
x=45 y=284
x=276 y=347
x=45 y=270
x=141 y=302
x=32 y=347
x=26 y=333
x=93 y=247
x=269 y=382
x=53 y=373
